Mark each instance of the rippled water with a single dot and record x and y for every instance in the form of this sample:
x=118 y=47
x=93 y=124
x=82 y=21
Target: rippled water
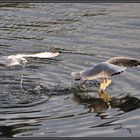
x=50 y=104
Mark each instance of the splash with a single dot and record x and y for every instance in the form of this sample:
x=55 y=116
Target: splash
x=22 y=76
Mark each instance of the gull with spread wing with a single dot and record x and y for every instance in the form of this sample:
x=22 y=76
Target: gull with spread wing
x=20 y=59
x=105 y=70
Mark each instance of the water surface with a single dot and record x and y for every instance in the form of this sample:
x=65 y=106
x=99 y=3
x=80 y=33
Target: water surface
x=50 y=104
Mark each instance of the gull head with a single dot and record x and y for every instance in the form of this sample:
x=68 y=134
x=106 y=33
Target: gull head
x=21 y=60
x=76 y=75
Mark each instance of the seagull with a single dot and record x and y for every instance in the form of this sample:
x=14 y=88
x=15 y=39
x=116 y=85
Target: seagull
x=105 y=70
x=20 y=59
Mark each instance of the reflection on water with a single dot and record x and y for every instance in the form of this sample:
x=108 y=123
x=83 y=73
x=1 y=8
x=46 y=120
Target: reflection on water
x=42 y=99
x=98 y=105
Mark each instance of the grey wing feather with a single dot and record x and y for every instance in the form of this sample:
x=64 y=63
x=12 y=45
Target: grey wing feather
x=91 y=73
x=124 y=61
x=111 y=69
x=102 y=70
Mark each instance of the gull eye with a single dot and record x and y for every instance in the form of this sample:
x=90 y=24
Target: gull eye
x=22 y=61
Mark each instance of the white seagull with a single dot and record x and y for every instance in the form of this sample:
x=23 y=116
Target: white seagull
x=20 y=59
x=105 y=70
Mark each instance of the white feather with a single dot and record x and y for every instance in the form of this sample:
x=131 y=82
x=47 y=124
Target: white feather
x=40 y=55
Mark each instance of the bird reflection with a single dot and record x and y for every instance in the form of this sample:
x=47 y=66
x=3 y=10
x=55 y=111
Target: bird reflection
x=102 y=104
x=94 y=104
x=105 y=96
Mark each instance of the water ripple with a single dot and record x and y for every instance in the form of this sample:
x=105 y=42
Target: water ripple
x=50 y=103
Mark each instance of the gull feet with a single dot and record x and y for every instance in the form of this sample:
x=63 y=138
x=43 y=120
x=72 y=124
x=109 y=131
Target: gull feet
x=82 y=87
x=105 y=96
x=104 y=84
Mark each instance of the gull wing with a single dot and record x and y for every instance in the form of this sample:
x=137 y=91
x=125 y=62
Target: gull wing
x=124 y=61
x=101 y=70
x=40 y=55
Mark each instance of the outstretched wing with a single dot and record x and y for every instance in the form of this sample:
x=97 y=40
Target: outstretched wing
x=124 y=61
x=101 y=70
x=40 y=55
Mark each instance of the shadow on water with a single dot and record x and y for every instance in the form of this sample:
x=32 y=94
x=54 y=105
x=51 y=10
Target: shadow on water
x=126 y=104
x=97 y=105
x=9 y=131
